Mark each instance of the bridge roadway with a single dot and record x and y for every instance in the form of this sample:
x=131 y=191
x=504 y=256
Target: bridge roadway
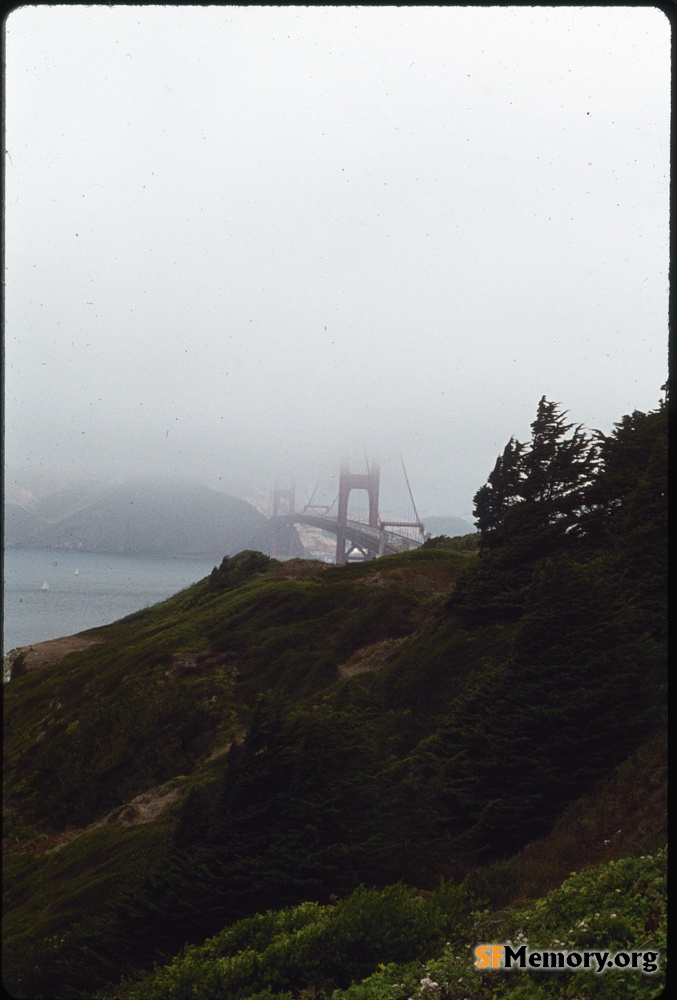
x=376 y=541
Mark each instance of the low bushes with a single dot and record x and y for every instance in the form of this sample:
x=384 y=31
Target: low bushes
x=311 y=946
x=413 y=946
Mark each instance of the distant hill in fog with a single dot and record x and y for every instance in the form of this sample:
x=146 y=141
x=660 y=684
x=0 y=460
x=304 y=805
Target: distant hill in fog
x=20 y=523
x=153 y=517
x=450 y=526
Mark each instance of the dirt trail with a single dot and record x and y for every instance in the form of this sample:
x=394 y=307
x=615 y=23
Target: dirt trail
x=45 y=654
x=144 y=808
x=369 y=658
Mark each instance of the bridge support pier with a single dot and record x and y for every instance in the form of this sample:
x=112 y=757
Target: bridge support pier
x=355 y=481
x=280 y=528
x=381 y=541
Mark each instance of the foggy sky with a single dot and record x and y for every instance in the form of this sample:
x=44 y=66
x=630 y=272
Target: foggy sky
x=242 y=242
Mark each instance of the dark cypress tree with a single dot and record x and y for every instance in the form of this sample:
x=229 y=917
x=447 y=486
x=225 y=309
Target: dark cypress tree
x=574 y=699
x=502 y=491
x=627 y=516
x=581 y=569
x=527 y=511
x=540 y=487
x=557 y=469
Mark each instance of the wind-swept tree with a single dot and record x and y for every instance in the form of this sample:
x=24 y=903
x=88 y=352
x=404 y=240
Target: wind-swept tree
x=627 y=514
x=576 y=696
x=540 y=487
x=557 y=469
x=501 y=491
x=527 y=510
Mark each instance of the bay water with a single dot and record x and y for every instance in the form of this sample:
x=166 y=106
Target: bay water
x=49 y=593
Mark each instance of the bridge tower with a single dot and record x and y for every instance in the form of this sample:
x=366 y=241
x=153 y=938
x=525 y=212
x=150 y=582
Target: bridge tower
x=348 y=481
x=282 y=532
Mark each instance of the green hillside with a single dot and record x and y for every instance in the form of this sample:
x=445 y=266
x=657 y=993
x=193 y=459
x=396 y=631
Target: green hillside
x=330 y=951
x=452 y=730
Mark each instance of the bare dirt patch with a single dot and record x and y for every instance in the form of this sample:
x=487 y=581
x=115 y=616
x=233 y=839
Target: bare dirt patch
x=46 y=654
x=426 y=581
x=292 y=569
x=143 y=808
x=369 y=658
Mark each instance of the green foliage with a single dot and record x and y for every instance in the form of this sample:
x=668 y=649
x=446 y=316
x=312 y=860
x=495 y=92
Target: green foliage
x=534 y=494
x=634 y=454
x=235 y=570
x=312 y=947
x=409 y=944
x=301 y=810
x=618 y=906
x=117 y=748
x=526 y=511
x=161 y=688
x=569 y=704
x=569 y=492
x=60 y=936
x=501 y=492
x=459 y=543
x=628 y=512
x=556 y=468
x=583 y=682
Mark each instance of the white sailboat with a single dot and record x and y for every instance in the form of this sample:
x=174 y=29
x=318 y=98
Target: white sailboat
x=45 y=586
x=77 y=572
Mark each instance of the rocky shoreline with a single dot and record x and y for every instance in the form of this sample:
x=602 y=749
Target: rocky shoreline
x=44 y=654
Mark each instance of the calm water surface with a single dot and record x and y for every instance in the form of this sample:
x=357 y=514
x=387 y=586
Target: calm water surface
x=83 y=590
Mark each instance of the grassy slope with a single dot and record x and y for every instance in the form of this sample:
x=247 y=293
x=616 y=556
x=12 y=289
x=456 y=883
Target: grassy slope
x=315 y=952
x=167 y=687
x=163 y=687
x=159 y=693
x=413 y=939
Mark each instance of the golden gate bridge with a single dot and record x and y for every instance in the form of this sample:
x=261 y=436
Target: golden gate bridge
x=361 y=535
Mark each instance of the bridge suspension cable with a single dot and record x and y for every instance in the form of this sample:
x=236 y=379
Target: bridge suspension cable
x=364 y=532
x=411 y=495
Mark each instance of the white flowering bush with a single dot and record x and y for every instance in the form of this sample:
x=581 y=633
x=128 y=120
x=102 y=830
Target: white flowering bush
x=617 y=906
x=295 y=953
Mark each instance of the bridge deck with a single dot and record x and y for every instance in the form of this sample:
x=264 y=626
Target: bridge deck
x=364 y=535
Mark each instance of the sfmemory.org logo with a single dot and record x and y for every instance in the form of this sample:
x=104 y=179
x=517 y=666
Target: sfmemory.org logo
x=503 y=956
